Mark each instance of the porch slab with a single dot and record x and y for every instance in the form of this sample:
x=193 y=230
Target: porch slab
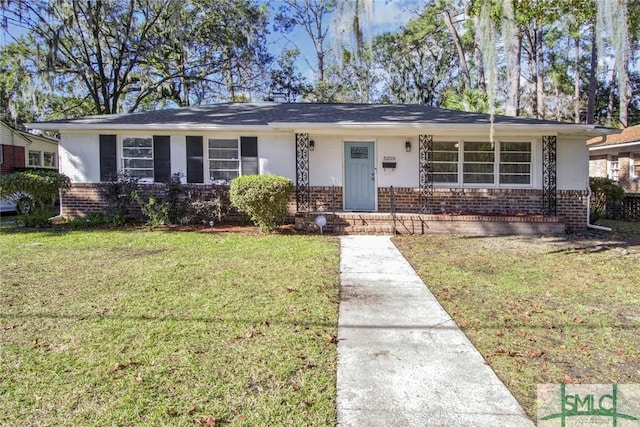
x=343 y=223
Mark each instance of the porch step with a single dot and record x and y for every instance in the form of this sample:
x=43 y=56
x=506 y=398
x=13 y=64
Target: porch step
x=413 y=223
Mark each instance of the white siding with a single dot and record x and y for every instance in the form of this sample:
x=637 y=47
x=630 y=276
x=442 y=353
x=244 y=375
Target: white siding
x=277 y=154
x=325 y=161
x=406 y=172
x=80 y=157
x=572 y=163
x=179 y=156
x=5 y=135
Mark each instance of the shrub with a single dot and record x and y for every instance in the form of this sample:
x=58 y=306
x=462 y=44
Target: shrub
x=603 y=191
x=120 y=196
x=263 y=197
x=36 y=192
x=205 y=207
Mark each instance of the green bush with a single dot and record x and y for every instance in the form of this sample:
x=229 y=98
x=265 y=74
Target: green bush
x=603 y=191
x=263 y=197
x=35 y=192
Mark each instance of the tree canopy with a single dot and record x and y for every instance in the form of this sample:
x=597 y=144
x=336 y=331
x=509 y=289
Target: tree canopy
x=575 y=60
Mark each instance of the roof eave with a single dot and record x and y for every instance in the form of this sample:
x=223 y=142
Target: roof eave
x=150 y=127
x=411 y=127
x=614 y=146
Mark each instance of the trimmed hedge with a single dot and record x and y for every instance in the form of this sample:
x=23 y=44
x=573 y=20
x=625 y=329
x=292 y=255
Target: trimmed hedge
x=262 y=197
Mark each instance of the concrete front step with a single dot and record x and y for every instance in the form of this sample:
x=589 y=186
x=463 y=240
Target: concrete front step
x=411 y=223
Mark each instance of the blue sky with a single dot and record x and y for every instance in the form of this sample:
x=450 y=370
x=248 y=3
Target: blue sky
x=386 y=15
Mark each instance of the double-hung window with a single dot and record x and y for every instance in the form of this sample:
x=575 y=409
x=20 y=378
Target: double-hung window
x=35 y=158
x=445 y=162
x=224 y=159
x=49 y=159
x=478 y=162
x=137 y=157
x=230 y=158
x=515 y=163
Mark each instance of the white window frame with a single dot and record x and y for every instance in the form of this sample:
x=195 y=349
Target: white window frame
x=533 y=177
x=634 y=162
x=457 y=145
x=613 y=167
x=39 y=154
x=463 y=162
x=1 y=154
x=211 y=159
x=530 y=163
x=53 y=157
x=123 y=159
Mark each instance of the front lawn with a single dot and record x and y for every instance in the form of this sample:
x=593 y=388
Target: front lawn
x=167 y=328
x=541 y=310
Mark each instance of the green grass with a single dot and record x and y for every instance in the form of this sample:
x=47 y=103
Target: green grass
x=158 y=328
x=540 y=310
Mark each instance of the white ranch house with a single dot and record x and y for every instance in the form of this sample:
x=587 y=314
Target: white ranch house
x=440 y=165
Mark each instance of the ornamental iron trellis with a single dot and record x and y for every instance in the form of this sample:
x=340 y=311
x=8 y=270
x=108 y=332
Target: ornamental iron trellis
x=303 y=191
x=549 y=181
x=426 y=173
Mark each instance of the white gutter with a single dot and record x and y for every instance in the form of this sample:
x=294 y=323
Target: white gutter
x=188 y=127
x=614 y=146
x=589 y=225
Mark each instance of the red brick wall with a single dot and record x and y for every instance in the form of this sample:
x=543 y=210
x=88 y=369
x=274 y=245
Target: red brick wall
x=12 y=157
x=571 y=208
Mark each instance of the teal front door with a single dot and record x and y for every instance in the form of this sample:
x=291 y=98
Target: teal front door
x=359 y=176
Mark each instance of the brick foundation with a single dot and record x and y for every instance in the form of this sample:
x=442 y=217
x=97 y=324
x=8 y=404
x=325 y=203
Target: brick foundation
x=571 y=208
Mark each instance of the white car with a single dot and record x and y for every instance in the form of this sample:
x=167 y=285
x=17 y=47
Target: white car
x=20 y=205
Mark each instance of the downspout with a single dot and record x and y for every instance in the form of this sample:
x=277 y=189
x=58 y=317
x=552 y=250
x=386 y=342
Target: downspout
x=589 y=225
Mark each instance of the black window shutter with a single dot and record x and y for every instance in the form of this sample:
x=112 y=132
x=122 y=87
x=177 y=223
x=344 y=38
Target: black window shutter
x=108 y=162
x=161 y=158
x=249 y=146
x=195 y=172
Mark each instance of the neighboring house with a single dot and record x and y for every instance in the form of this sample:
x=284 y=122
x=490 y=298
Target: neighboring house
x=346 y=157
x=617 y=157
x=20 y=150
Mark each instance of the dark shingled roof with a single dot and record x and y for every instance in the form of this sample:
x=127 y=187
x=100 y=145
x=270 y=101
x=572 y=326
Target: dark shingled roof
x=263 y=114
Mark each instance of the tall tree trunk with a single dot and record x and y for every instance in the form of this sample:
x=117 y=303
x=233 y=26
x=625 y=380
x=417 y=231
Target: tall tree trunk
x=593 y=82
x=576 y=87
x=623 y=94
x=539 y=73
x=456 y=40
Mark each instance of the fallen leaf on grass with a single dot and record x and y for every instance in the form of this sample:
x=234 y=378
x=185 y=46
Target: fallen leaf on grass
x=191 y=410
x=332 y=339
x=536 y=353
x=568 y=380
x=291 y=289
x=138 y=377
x=206 y=421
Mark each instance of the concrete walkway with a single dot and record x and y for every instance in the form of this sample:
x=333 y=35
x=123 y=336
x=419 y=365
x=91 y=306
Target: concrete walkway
x=402 y=361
